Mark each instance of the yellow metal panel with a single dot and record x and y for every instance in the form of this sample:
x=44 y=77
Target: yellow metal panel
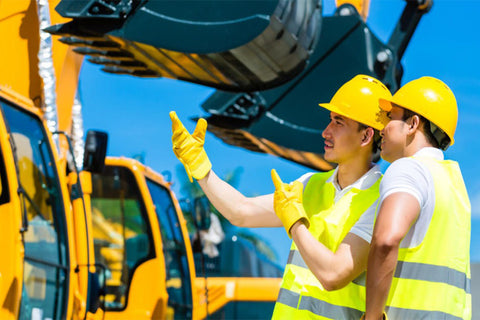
x=222 y=290
x=19 y=48
x=362 y=6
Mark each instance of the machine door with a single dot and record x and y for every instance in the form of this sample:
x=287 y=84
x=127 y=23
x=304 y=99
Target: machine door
x=46 y=265
x=178 y=273
x=121 y=233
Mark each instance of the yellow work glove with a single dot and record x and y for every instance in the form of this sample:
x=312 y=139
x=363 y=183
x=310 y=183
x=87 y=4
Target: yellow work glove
x=189 y=147
x=287 y=202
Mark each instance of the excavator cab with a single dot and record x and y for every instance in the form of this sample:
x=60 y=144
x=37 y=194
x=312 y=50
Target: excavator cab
x=36 y=248
x=139 y=239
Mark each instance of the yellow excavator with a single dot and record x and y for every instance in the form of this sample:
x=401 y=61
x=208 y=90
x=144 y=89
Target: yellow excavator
x=150 y=268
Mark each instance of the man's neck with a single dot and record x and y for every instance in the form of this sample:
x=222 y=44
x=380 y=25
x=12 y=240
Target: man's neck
x=350 y=172
x=416 y=144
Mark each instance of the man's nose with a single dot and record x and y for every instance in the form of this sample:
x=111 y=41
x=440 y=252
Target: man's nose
x=326 y=132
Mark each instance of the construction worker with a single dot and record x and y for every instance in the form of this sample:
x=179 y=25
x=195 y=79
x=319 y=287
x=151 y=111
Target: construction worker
x=331 y=226
x=419 y=261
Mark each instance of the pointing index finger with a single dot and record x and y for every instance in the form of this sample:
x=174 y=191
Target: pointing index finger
x=176 y=123
x=276 y=180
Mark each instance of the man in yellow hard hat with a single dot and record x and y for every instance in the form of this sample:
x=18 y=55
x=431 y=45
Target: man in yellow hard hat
x=329 y=215
x=419 y=262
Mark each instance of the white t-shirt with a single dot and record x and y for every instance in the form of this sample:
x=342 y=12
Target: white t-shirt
x=412 y=176
x=364 y=226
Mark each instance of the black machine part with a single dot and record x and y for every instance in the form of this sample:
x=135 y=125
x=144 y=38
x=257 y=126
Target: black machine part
x=286 y=121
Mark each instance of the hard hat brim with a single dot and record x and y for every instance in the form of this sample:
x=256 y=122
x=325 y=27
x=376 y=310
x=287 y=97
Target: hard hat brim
x=334 y=108
x=386 y=105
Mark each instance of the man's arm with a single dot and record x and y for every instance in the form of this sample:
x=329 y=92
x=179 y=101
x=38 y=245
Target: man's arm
x=396 y=215
x=239 y=210
x=334 y=270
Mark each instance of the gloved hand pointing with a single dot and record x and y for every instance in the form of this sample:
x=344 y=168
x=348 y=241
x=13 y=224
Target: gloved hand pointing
x=287 y=202
x=189 y=147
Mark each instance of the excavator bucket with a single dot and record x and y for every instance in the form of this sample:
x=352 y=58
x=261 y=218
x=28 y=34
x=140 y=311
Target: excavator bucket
x=287 y=121
x=229 y=45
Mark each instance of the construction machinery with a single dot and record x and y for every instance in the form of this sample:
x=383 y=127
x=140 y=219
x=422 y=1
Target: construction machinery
x=58 y=264
x=46 y=271
x=271 y=61
x=51 y=234
x=141 y=238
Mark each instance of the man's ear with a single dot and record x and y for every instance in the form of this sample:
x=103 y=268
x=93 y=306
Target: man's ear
x=413 y=123
x=368 y=135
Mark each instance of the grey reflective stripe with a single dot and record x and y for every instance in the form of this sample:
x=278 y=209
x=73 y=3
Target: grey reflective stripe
x=295 y=258
x=327 y=310
x=399 y=313
x=433 y=273
x=316 y=306
x=288 y=298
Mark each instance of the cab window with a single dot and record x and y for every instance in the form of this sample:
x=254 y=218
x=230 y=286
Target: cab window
x=122 y=236
x=174 y=251
x=46 y=257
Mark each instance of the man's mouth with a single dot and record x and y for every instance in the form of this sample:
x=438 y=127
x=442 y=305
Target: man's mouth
x=328 y=144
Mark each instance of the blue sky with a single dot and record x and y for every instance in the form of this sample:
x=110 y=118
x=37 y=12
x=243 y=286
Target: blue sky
x=135 y=111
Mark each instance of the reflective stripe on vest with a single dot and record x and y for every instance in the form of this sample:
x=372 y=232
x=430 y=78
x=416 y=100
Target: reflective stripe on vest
x=432 y=273
x=398 y=313
x=301 y=294
x=432 y=280
x=316 y=306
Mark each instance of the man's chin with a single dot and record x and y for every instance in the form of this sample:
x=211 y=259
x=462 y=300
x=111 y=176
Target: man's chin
x=329 y=158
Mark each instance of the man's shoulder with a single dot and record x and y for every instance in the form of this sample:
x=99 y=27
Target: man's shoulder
x=407 y=175
x=406 y=167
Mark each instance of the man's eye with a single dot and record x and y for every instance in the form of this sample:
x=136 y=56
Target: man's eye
x=389 y=115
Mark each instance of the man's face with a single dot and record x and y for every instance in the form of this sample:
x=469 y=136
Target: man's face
x=394 y=135
x=342 y=139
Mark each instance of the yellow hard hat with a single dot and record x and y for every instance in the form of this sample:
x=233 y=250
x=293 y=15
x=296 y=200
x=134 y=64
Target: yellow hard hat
x=358 y=100
x=430 y=98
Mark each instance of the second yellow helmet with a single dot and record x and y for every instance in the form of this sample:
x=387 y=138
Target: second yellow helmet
x=430 y=98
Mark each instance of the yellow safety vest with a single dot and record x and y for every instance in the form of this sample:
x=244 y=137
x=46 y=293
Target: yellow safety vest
x=301 y=294
x=432 y=280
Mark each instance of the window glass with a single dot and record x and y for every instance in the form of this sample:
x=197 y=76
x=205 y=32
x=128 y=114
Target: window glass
x=176 y=263
x=4 y=193
x=46 y=261
x=122 y=237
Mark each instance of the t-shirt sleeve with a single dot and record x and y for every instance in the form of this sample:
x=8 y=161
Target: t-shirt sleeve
x=364 y=225
x=405 y=175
